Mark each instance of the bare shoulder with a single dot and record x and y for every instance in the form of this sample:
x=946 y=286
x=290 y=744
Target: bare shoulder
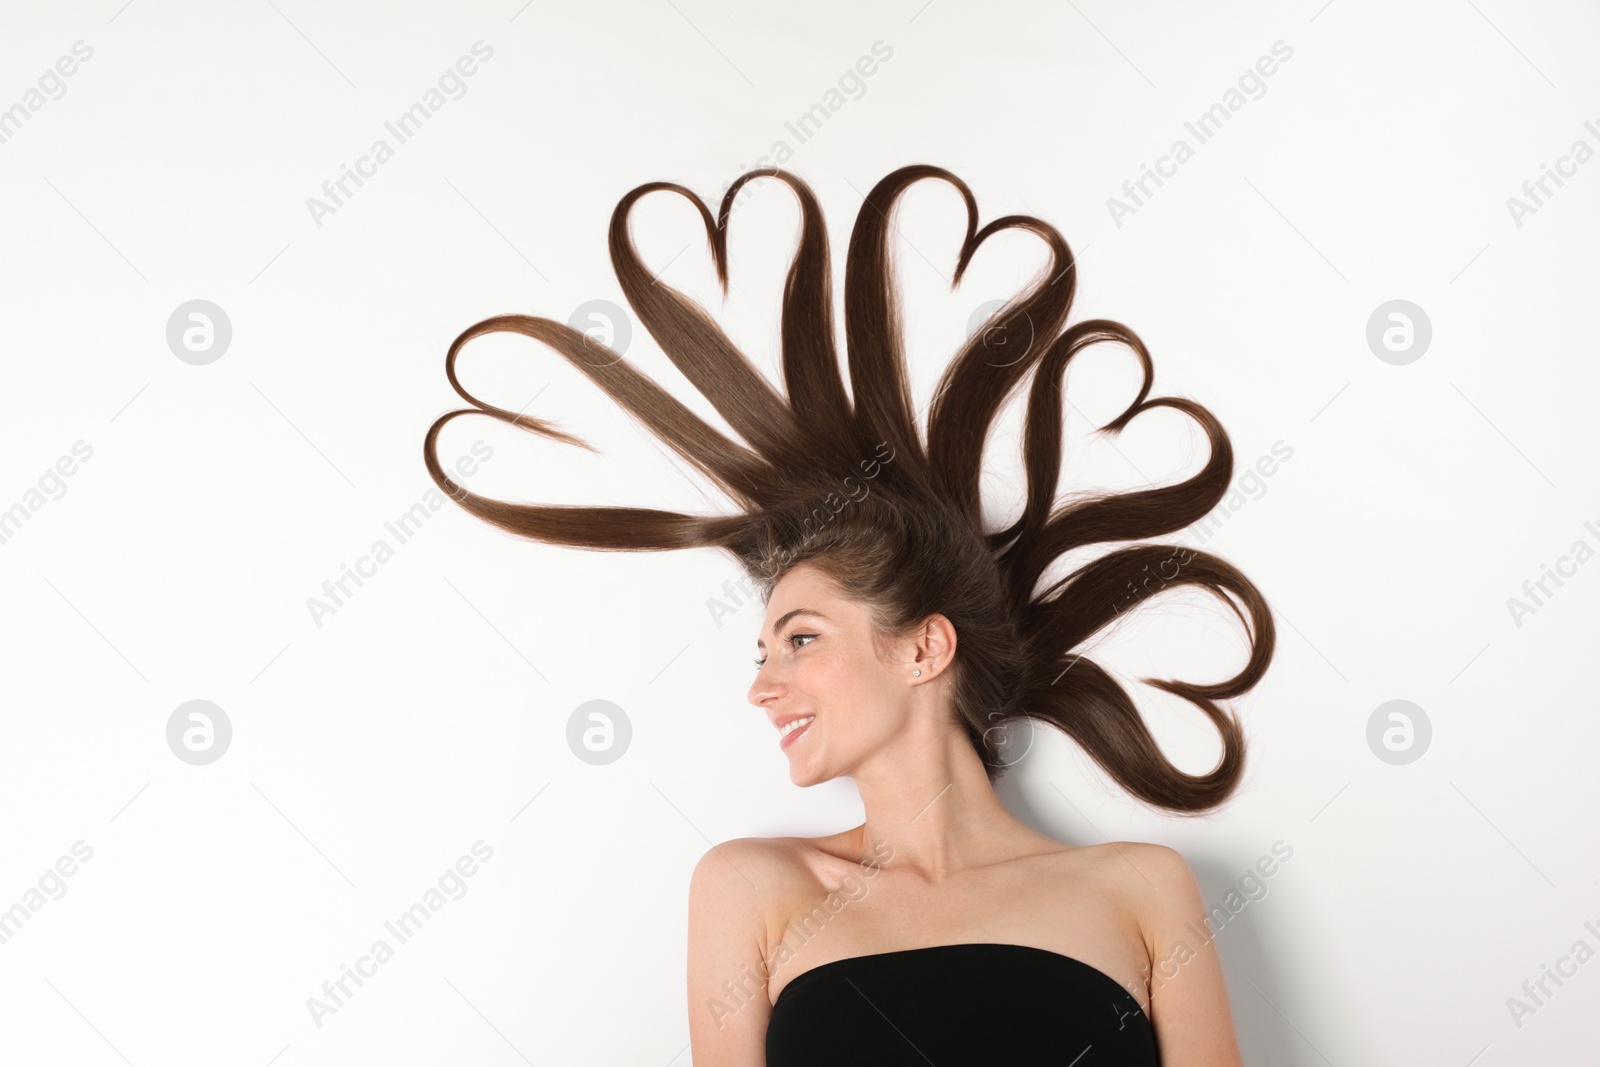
x=759 y=863
x=1188 y=992
x=1154 y=885
x=755 y=877
x=1155 y=879
x=1160 y=864
x=733 y=894
x=730 y=860
x=1125 y=861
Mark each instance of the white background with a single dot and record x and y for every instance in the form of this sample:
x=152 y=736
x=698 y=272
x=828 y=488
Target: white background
x=429 y=711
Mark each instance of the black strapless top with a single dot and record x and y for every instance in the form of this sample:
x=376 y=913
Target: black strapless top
x=959 y=1005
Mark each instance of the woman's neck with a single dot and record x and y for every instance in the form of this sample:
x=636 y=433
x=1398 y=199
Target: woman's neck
x=929 y=800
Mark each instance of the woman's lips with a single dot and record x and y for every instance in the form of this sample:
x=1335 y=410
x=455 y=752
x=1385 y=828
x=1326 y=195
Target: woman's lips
x=794 y=735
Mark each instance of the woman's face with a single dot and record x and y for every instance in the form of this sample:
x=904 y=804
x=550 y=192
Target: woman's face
x=818 y=660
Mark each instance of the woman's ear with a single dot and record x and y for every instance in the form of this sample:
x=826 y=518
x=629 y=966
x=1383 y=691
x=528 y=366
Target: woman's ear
x=934 y=647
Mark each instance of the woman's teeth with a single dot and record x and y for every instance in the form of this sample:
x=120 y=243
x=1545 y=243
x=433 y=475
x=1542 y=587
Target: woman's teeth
x=793 y=724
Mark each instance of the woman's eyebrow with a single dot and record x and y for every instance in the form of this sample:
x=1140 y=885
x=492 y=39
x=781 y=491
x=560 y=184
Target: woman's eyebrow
x=786 y=617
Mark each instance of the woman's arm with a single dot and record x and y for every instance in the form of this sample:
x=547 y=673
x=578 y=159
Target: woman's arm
x=1188 y=995
x=728 y=1005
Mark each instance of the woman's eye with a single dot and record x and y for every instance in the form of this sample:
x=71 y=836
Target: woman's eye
x=791 y=640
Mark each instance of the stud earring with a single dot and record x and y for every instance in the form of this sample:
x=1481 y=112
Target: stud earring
x=916 y=672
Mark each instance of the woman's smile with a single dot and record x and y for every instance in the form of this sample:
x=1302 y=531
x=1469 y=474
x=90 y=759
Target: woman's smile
x=790 y=731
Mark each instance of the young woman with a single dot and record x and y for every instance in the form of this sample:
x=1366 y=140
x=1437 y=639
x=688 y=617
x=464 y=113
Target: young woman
x=902 y=638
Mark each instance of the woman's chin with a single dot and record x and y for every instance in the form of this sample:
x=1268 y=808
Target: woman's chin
x=803 y=774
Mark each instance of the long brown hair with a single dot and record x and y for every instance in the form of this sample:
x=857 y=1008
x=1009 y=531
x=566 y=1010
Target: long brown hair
x=852 y=487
